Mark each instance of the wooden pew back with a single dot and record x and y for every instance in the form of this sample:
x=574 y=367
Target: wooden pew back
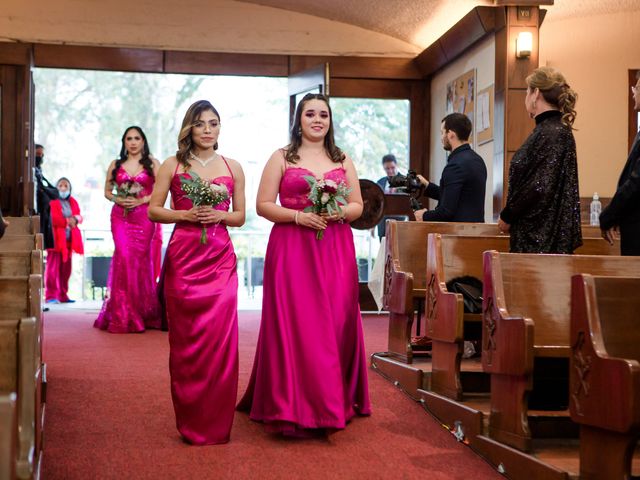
x=407 y=243
x=539 y=287
x=8 y=435
x=23 y=225
x=605 y=373
x=21 y=263
x=617 y=315
x=462 y=255
x=598 y=246
x=13 y=243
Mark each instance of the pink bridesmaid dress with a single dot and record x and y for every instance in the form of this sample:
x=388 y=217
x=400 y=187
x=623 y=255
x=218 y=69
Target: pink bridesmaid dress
x=310 y=369
x=133 y=304
x=200 y=291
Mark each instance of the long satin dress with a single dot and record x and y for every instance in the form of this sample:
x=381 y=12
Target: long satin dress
x=310 y=369
x=200 y=290
x=133 y=304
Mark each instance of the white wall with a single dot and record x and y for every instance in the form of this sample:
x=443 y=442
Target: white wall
x=595 y=54
x=481 y=58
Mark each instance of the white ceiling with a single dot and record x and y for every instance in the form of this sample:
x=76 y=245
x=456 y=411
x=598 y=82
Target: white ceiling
x=421 y=22
x=382 y=28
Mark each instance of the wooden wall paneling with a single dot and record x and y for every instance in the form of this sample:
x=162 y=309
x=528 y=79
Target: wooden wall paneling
x=360 y=88
x=359 y=67
x=98 y=58
x=516 y=131
x=10 y=137
x=15 y=53
x=420 y=129
x=511 y=121
x=534 y=3
x=206 y=63
x=473 y=27
x=500 y=166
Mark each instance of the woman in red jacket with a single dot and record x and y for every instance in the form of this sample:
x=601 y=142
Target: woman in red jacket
x=67 y=239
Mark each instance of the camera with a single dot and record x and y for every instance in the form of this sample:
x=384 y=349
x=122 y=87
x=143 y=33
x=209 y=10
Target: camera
x=409 y=184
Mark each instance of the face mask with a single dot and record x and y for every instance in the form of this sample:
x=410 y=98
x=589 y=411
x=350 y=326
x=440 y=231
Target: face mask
x=64 y=195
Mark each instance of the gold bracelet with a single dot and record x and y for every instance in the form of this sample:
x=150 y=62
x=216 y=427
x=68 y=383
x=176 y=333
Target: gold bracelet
x=295 y=217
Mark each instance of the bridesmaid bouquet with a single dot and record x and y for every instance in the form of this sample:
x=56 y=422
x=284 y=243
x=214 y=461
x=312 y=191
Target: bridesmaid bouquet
x=203 y=193
x=128 y=189
x=326 y=196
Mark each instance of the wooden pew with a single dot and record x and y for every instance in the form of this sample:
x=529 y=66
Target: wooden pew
x=405 y=275
x=450 y=256
x=8 y=435
x=20 y=373
x=14 y=243
x=526 y=323
x=23 y=225
x=605 y=373
x=21 y=263
x=21 y=325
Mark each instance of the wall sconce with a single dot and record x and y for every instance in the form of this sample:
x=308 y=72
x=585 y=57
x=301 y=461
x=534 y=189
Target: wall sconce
x=524 y=44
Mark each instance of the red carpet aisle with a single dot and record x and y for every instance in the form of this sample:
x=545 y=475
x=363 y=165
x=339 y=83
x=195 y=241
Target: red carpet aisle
x=109 y=416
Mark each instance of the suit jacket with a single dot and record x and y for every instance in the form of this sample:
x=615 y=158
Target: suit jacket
x=461 y=191
x=625 y=205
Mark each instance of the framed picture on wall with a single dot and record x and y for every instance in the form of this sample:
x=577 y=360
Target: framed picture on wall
x=483 y=125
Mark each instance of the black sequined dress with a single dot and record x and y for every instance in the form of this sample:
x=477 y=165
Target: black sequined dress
x=543 y=203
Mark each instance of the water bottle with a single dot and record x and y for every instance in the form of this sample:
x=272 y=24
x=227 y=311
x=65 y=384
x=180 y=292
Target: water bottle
x=596 y=208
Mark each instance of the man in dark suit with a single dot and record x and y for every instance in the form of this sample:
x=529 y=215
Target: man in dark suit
x=390 y=165
x=461 y=191
x=45 y=192
x=623 y=213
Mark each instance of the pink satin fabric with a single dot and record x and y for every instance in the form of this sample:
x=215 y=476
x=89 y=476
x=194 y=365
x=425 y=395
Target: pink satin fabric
x=133 y=304
x=200 y=288
x=57 y=274
x=310 y=369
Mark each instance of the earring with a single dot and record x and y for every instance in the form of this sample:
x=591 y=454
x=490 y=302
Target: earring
x=299 y=131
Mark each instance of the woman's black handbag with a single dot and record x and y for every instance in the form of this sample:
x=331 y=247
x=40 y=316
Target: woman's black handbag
x=471 y=290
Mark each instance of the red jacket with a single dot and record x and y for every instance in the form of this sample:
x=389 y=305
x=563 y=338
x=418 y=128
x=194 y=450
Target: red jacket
x=59 y=226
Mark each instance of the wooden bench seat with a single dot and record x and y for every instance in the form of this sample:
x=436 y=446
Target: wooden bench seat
x=605 y=373
x=526 y=333
x=405 y=275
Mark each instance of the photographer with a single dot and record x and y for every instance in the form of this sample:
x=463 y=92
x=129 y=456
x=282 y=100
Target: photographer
x=461 y=191
x=390 y=166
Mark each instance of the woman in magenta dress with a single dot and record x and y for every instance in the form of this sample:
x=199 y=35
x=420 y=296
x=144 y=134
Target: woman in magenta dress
x=310 y=373
x=200 y=284
x=132 y=305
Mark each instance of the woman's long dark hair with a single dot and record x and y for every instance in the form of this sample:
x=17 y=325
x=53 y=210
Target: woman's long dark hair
x=333 y=151
x=145 y=160
x=185 y=141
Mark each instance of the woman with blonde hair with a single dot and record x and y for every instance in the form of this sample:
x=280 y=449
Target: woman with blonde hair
x=199 y=286
x=542 y=213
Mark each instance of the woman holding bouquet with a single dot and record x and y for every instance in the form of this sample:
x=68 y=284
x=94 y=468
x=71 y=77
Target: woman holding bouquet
x=200 y=285
x=310 y=373
x=132 y=305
